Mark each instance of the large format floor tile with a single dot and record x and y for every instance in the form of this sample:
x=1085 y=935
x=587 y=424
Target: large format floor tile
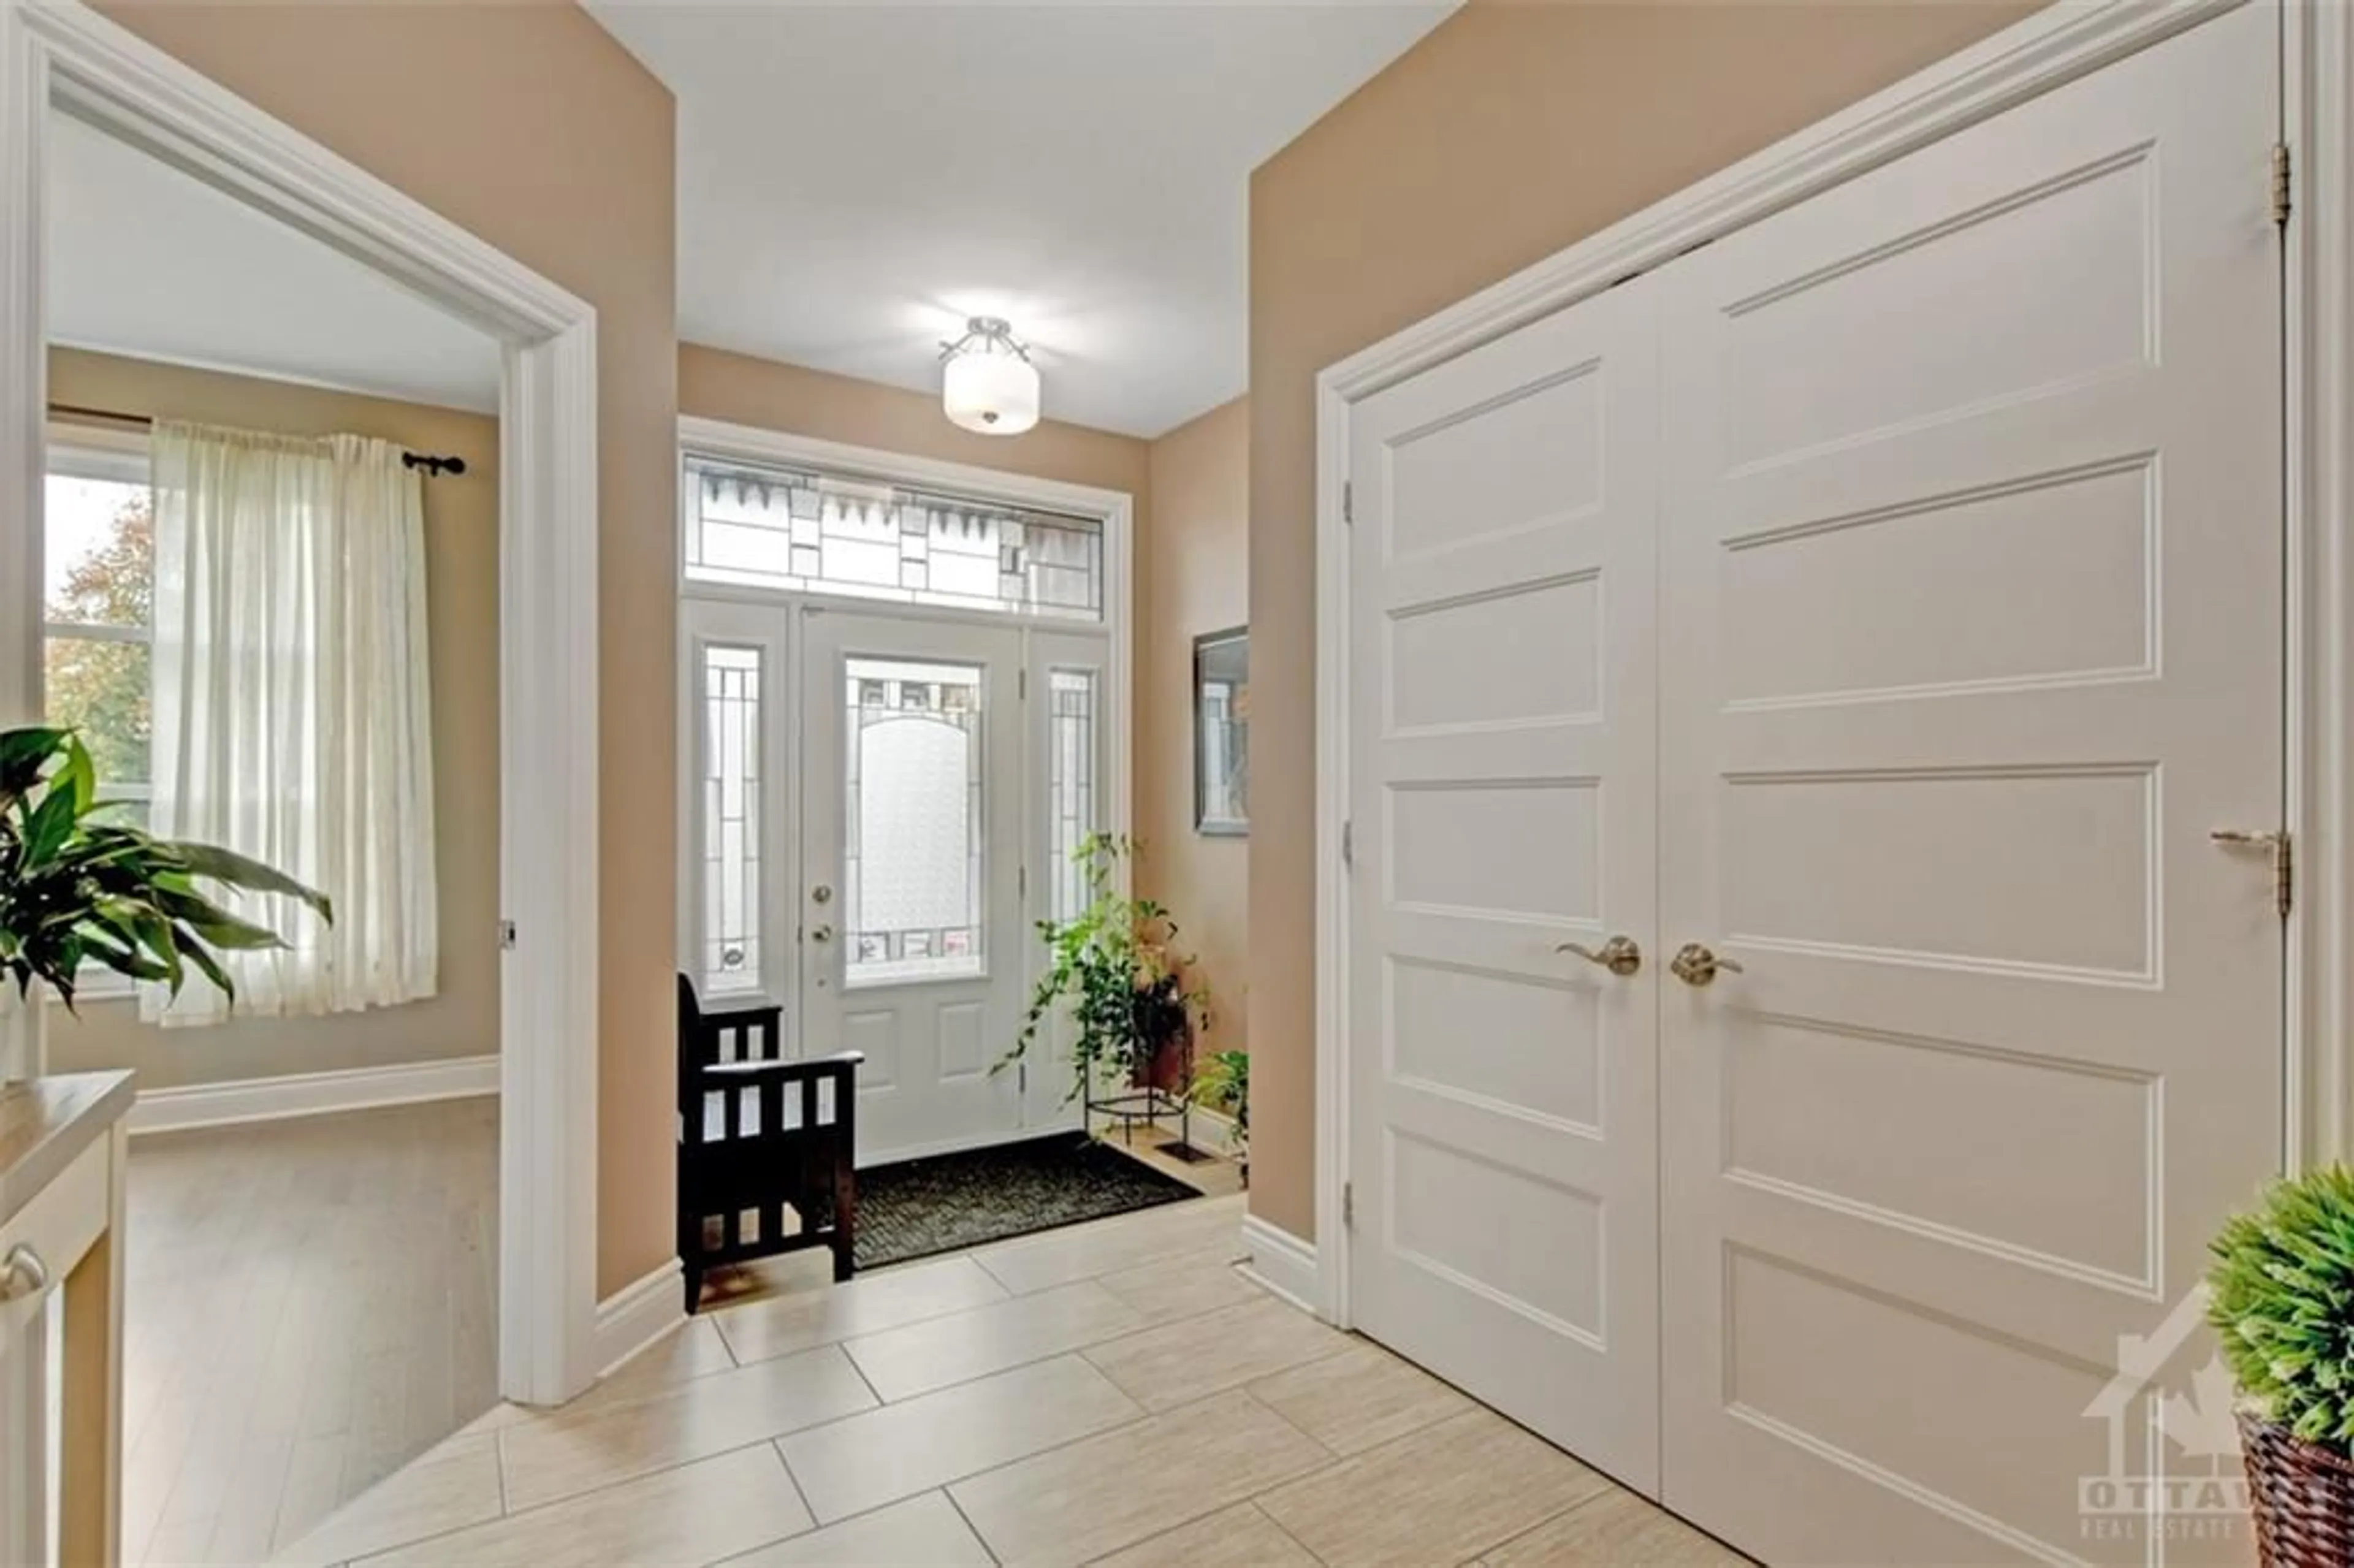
x=697 y=1513
x=925 y=1532
x=1238 y=1537
x=1359 y=1399
x=849 y=1465
x=1195 y=1357
x=560 y=1455
x=1094 y=1496
x=1106 y=1246
x=1163 y=1414
x=1616 y=1529
x=903 y=1362
x=448 y=1487
x=869 y=1304
x=1444 y=1494
x=1200 y=1281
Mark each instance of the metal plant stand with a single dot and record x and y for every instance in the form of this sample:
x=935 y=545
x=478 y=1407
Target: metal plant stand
x=1146 y=1106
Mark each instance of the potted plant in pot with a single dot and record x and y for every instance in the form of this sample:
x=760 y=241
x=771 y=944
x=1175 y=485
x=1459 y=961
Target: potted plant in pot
x=1114 y=964
x=78 y=887
x=2282 y=1301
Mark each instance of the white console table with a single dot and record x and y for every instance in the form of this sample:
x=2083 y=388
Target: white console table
x=62 y=1174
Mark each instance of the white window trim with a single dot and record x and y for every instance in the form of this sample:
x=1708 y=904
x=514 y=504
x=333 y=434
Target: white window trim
x=720 y=441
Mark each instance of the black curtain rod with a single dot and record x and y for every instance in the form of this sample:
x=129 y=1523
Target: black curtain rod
x=434 y=467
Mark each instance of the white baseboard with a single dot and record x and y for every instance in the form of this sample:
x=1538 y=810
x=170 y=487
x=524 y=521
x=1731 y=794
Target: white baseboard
x=312 y=1094
x=637 y=1315
x=1280 y=1263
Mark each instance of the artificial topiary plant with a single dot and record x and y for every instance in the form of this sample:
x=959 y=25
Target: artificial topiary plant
x=78 y=887
x=2283 y=1303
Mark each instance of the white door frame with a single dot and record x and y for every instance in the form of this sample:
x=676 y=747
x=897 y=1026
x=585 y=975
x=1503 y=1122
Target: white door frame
x=2041 y=52
x=724 y=441
x=62 y=51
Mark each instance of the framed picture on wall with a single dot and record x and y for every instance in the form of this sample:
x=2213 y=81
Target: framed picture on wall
x=1222 y=733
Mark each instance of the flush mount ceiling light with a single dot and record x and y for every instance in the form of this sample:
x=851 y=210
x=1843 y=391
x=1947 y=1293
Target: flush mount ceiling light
x=987 y=381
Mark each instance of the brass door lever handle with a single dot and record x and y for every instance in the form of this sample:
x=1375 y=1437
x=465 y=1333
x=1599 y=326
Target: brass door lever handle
x=1695 y=965
x=1619 y=955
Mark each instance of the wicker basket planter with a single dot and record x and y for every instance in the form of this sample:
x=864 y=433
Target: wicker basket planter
x=2303 y=1495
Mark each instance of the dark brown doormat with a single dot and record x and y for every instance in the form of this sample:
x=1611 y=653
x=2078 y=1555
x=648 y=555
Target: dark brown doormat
x=919 y=1207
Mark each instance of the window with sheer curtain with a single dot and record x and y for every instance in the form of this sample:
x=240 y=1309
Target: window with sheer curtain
x=291 y=706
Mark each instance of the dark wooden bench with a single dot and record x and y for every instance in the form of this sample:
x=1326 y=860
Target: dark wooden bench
x=759 y=1135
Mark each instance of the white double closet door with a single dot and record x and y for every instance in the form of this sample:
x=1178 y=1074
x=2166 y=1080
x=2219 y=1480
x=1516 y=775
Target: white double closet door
x=1887 y=599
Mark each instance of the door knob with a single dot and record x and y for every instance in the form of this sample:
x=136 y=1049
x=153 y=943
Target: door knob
x=820 y=933
x=1619 y=955
x=1695 y=965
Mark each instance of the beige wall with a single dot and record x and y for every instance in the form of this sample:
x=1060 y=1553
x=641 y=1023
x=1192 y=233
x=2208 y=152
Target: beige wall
x=770 y=395
x=529 y=125
x=1510 y=132
x=1192 y=576
x=461 y=572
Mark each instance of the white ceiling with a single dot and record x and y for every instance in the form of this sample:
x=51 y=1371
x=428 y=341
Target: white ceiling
x=147 y=261
x=857 y=179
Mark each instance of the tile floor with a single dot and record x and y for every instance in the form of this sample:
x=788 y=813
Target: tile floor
x=1114 y=1393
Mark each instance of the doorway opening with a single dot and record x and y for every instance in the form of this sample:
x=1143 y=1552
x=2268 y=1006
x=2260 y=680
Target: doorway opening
x=903 y=712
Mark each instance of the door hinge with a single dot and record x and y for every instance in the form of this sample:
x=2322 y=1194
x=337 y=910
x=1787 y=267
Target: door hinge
x=1349 y=502
x=1021 y=686
x=506 y=936
x=1348 y=1205
x=1022 y=882
x=2282 y=848
x=2281 y=205
x=1349 y=844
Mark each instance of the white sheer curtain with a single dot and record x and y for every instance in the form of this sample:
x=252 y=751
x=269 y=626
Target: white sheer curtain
x=292 y=706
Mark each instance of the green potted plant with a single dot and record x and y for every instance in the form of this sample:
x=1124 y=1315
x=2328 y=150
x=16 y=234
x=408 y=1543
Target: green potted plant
x=1114 y=964
x=2282 y=1301
x=78 y=887
x=1222 y=1085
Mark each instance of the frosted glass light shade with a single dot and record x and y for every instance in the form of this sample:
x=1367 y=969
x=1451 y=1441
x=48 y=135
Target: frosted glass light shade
x=991 y=390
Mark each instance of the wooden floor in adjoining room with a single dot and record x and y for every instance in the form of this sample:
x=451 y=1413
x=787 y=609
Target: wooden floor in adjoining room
x=310 y=1307
x=1115 y=1393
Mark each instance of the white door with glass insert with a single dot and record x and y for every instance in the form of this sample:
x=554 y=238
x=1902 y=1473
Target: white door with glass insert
x=913 y=947
x=1973 y=643
x=1503 y=779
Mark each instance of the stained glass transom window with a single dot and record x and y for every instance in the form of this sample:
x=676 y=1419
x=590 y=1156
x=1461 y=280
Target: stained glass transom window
x=913 y=836
x=780 y=528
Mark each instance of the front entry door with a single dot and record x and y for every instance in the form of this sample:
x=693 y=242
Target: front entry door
x=913 y=949
x=1973 y=632
x=1503 y=780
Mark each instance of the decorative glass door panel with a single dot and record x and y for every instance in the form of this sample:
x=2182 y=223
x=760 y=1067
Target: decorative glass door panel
x=911 y=873
x=913 y=855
